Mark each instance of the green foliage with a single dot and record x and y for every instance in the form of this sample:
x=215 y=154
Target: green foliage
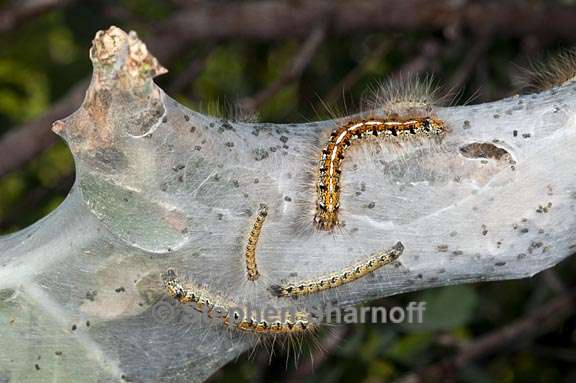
x=222 y=74
x=23 y=91
x=448 y=308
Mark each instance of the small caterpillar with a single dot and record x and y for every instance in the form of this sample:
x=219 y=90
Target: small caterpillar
x=330 y=169
x=251 y=266
x=348 y=275
x=217 y=307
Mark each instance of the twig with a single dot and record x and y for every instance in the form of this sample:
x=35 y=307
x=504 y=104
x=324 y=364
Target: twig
x=12 y=17
x=21 y=144
x=429 y=54
x=353 y=76
x=190 y=72
x=295 y=70
x=537 y=322
x=553 y=281
x=467 y=67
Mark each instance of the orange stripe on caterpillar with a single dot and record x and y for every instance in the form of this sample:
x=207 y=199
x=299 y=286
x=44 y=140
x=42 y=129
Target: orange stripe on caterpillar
x=218 y=308
x=348 y=275
x=330 y=169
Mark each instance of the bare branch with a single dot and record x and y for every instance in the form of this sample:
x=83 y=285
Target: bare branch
x=190 y=72
x=537 y=322
x=467 y=67
x=353 y=76
x=300 y=62
x=21 y=144
x=428 y=57
x=12 y=17
x=273 y=20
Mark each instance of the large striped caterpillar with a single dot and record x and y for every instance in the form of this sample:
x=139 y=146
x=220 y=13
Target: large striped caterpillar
x=333 y=154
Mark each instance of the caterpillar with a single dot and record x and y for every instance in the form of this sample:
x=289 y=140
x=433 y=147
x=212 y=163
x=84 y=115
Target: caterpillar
x=216 y=307
x=392 y=127
x=251 y=267
x=552 y=71
x=348 y=275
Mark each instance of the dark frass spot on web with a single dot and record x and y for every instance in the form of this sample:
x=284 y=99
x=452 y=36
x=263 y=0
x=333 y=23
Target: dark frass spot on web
x=260 y=154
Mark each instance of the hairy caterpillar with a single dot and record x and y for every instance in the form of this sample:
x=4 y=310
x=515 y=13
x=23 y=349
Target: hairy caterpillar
x=252 y=272
x=348 y=275
x=392 y=127
x=548 y=73
x=217 y=307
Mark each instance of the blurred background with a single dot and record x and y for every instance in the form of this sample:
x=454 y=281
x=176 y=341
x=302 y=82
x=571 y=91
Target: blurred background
x=294 y=61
